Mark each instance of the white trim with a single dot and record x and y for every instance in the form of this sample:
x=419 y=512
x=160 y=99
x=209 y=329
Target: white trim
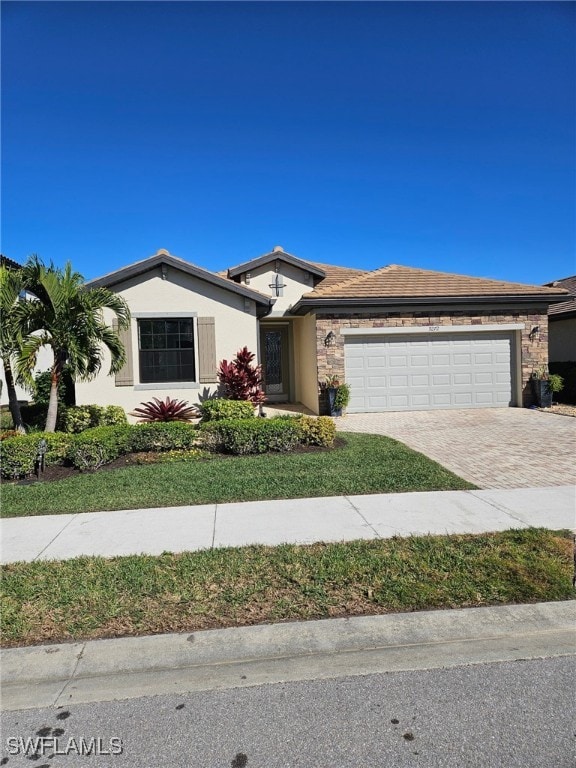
x=385 y=331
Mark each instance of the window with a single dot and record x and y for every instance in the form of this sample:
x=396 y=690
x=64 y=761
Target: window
x=166 y=350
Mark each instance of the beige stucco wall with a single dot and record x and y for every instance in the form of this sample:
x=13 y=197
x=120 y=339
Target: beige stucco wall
x=532 y=353
x=296 y=282
x=44 y=363
x=562 y=340
x=235 y=327
x=305 y=364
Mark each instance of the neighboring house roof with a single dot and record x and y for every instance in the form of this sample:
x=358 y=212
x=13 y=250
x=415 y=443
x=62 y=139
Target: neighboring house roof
x=276 y=253
x=566 y=308
x=10 y=263
x=399 y=285
x=166 y=258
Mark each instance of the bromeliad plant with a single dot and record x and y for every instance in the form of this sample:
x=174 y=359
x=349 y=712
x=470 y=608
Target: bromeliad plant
x=241 y=379
x=167 y=410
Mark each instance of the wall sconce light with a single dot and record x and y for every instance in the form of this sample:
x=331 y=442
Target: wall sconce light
x=164 y=270
x=330 y=339
x=534 y=333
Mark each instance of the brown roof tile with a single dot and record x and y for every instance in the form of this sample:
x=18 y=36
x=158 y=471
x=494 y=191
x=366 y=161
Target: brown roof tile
x=407 y=282
x=569 y=283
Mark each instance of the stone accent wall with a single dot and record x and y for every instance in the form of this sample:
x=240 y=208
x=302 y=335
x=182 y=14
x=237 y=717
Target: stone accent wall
x=534 y=353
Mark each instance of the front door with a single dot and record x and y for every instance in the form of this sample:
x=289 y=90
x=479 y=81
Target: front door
x=274 y=353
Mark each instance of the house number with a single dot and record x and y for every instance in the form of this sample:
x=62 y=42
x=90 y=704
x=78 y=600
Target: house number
x=434 y=327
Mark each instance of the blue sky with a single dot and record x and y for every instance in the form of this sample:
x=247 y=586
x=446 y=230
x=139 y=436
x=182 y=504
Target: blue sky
x=437 y=135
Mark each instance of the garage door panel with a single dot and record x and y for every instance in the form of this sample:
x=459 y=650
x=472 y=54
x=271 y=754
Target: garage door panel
x=459 y=370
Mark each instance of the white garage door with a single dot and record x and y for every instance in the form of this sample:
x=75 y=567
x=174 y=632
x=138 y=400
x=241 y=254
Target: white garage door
x=428 y=371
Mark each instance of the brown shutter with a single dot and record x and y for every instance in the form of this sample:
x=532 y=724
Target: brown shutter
x=125 y=376
x=207 y=351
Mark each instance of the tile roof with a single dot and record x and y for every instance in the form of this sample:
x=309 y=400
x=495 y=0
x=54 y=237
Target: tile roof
x=569 y=283
x=396 y=281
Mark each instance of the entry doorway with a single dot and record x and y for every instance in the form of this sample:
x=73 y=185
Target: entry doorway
x=275 y=356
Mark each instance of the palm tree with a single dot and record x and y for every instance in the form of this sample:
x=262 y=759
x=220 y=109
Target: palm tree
x=11 y=286
x=68 y=317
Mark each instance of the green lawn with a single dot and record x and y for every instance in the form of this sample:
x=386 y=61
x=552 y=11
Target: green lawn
x=94 y=597
x=364 y=464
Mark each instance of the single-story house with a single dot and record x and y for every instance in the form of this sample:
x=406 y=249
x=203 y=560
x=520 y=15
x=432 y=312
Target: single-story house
x=402 y=338
x=562 y=324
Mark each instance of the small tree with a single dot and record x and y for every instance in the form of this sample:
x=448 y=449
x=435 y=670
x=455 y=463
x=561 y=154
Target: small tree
x=241 y=379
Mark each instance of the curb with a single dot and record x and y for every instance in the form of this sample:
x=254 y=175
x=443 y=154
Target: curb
x=124 y=668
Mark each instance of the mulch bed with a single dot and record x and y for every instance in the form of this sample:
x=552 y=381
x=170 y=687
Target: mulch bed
x=54 y=473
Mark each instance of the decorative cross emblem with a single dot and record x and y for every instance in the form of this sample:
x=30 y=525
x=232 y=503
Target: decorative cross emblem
x=277 y=285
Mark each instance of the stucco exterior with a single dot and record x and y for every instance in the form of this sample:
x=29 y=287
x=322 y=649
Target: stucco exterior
x=175 y=294
x=44 y=363
x=305 y=362
x=294 y=281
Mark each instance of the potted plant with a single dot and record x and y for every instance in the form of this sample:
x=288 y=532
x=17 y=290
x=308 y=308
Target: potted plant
x=544 y=385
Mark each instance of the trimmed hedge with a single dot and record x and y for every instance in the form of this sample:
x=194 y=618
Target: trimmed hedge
x=220 y=408
x=77 y=418
x=97 y=446
x=281 y=433
x=18 y=454
x=163 y=436
x=92 y=448
x=244 y=436
x=101 y=445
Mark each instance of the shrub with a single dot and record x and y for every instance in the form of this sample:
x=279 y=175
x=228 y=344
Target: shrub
x=317 y=431
x=113 y=414
x=34 y=415
x=6 y=418
x=6 y=433
x=18 y=456
x=162 y=437
x=40 y=389
x=241 y=379
x=167 y=410
x=567 y=370
x=245 y=436
x=221 y=408
x=100 y=445
x=81 y=417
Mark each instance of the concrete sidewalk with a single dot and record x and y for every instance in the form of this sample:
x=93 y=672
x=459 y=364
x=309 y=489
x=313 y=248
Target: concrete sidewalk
x=297 y=521
x=125 y=668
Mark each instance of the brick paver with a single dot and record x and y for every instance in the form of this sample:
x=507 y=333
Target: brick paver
x=492 y=447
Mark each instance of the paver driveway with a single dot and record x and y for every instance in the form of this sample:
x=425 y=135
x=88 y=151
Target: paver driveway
x=492 y=447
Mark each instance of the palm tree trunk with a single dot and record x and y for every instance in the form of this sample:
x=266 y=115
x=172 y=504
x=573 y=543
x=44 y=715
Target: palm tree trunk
x=53 y=402
x=12 y=397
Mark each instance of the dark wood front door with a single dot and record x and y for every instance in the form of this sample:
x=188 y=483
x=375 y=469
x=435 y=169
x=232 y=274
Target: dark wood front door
x=274 y=352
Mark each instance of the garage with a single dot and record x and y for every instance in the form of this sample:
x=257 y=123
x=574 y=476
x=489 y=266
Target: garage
x=396 y=370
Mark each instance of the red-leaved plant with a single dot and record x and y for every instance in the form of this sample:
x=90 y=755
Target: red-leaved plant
x=241 y=379
x=165 y=410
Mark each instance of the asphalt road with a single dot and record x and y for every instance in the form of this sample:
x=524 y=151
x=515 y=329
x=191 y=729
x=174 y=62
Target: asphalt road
x=499 y=715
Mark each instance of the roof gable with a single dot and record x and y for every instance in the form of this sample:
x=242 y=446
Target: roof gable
x=278 y=253
x=166 y=258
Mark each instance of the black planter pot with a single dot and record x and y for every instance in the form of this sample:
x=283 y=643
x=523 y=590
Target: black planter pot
x=332 y=391
x=542 y=392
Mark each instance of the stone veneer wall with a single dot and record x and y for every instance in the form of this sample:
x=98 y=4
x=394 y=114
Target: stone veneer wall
x=331 y=359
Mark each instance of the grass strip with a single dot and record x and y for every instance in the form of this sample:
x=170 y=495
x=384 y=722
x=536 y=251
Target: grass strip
x=92 y=597
x=364 y=464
